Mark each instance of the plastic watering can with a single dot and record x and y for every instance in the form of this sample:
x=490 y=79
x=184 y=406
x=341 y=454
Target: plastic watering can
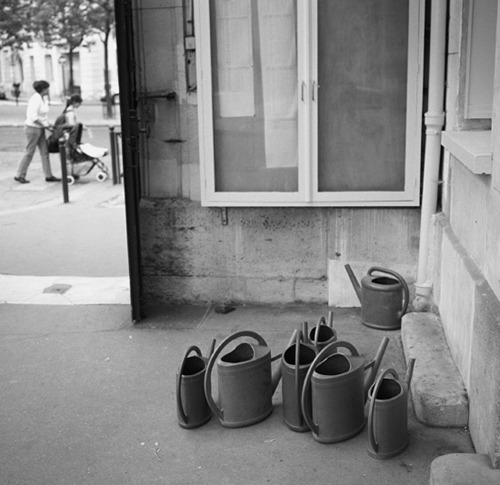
x=339 y=388
x=388 y=414
x=295 y=363
x=245 y=383
x=192 y=406
x=384 y=299
x=323 y=333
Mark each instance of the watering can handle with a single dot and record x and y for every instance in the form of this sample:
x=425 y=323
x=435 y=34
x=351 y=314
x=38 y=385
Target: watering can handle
x=213 y=358
x=180 y=405
x=406 y=291
x=297 y=365
x=211 y=348
x=333 y=346
x=371 y=409
x=321 y=321
x=328 y=350
x=305 y=332
x=330 y=319
x=306 y=411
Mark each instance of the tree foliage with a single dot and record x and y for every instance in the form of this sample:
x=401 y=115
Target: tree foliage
x=68 y=22
x=63 y=23
x=15 y=23
x=102 y=17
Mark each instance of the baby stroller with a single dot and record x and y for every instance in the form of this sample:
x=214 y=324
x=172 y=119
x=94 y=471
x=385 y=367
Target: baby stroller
x=81 y=158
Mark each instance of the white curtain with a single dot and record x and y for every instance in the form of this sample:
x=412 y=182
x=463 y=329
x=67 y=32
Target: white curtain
x=277 y=22
x=278 y=52
x=235 y=58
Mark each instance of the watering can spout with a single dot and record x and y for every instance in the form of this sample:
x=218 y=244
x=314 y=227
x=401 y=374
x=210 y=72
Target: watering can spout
x=276 y=378
x=375 y=365
x=409 y=372
x=354 y=282
x=211 y=348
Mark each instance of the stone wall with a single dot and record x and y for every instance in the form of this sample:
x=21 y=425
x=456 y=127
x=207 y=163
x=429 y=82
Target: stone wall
x=466 y=290
x=269 y=255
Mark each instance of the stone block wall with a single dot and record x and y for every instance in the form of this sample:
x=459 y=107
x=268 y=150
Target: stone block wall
x=465 y=290
x=268 y=255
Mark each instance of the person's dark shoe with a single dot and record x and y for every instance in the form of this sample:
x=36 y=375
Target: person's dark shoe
x=52 y=179
x=21 y=180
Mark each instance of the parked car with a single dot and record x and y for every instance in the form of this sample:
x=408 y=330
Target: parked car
x=3 y=94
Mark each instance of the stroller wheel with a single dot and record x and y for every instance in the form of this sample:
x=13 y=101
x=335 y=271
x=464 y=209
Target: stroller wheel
x=101 y=176
x=70 y=179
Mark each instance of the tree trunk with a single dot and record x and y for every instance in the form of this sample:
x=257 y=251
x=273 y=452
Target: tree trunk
x=71 y=79
x=107 y=87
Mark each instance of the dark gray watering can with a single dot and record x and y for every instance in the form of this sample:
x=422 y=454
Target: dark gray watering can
x=384 y=299
x=192 y=407
x=323 y=333
x=339 y=388
x=245 y=382
x=388 y=414
x=295 y=363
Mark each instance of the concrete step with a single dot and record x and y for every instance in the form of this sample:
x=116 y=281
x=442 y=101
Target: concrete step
x=437 y=389
x=463 y=469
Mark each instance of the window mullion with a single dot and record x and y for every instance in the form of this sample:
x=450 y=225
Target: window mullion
x=313 y=114
x=305 y=133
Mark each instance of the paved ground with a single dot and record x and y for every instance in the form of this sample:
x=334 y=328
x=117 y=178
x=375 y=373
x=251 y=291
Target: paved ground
x=89 y=398
x=46 y=242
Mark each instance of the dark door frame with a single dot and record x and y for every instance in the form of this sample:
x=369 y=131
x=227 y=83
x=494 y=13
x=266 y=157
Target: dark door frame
x=130 y=148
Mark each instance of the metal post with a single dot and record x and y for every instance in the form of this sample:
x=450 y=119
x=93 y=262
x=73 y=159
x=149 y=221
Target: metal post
x=64 y=171
x=112 y=144
x=118 y=166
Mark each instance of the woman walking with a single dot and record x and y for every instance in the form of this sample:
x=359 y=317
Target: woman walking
x=34 y=129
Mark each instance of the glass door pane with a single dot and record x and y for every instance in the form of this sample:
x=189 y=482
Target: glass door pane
x=254 y=95
x=362 y=74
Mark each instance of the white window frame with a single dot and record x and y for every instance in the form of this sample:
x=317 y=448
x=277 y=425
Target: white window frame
x=307 y=122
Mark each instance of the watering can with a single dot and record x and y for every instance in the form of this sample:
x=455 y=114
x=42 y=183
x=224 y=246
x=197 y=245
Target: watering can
x=245 y=382
x=388 y=414
x=323 y=333
x=338 y=392
x=295 y=363
x=192 y=407
x=384 y=299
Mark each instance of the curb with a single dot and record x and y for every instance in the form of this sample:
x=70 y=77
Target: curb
x=463 y=469
x=437 y=389
x=64 y=290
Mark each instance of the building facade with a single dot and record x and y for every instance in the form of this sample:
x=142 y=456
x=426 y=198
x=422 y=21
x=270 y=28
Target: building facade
x=280 y=140
x=36 y=62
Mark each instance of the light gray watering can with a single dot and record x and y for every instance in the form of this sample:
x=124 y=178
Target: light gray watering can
x=388 y=414
x=192 y=407
x=245 y=382
x=384 y=299
x=338 y=391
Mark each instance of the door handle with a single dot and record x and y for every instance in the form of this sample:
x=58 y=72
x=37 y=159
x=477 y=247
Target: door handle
x=315 y=90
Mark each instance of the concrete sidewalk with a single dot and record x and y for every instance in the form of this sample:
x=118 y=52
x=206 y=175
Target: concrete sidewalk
x=80 y=245
x=88 y=398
